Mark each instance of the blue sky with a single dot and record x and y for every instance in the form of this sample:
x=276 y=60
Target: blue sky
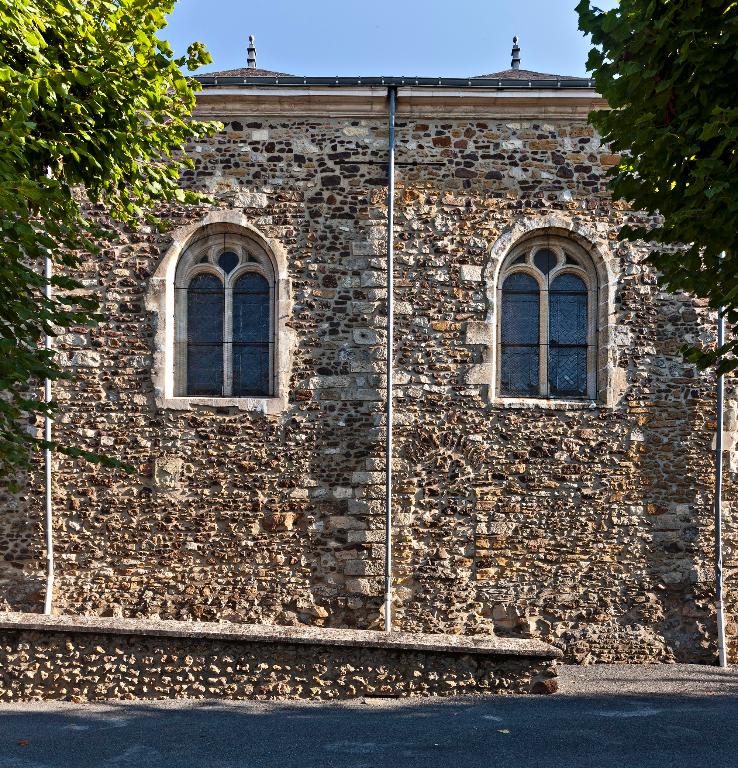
x=451 y=38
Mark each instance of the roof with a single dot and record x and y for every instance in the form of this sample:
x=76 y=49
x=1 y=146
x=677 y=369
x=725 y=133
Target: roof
x=514 y=79
x=509 y=78
x=244 y=72
x=523 y=74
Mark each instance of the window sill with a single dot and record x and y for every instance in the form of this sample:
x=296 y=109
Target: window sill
x=265 y=405
x=547 y=404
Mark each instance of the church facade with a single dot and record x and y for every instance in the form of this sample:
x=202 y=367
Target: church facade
x=553 y=466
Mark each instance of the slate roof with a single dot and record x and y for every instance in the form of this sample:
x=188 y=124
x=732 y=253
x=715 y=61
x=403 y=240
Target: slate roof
x=507 y=74
x=244 y=72
x=524 y=74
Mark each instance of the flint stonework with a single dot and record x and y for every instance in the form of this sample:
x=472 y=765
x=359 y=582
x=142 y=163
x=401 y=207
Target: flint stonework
x=98 y=659
x=586 y=525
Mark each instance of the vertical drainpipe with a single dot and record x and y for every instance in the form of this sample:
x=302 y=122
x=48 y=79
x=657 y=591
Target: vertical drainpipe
x=722 y=656
x=392 y=99
x=47 y=459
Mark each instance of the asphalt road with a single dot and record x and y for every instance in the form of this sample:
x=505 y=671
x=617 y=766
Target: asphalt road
x=629 y=717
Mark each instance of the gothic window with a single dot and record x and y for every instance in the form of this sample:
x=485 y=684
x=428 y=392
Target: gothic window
x=251 y=312
x=547 y=332
x=520 y=335
x=205 y=312
x=567 y=336
x=224 y=305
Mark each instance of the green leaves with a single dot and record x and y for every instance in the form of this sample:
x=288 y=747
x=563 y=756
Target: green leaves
x=93 y=109
x=668 y=69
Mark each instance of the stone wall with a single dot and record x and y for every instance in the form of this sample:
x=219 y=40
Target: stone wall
x=587 y=527
x=99 y=659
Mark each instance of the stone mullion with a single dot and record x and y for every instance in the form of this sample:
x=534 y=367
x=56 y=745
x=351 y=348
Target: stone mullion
x=592 y=341
x=543 y=326
x=228 y=342
x=180 y=342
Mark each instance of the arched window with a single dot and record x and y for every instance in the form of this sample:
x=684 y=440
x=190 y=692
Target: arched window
x=205 y=305
x=251 y=335
x=548 y=321
x=224 y=307
x=520 y=335
x=567 y=336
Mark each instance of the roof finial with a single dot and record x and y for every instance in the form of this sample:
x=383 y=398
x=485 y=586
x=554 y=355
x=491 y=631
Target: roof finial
x=515 y=63
x=251 y=54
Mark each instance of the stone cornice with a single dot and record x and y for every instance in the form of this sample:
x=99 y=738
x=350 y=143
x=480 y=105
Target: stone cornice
x=419 y=102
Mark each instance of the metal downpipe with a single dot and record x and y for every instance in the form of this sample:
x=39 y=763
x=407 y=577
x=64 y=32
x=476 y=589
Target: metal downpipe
x=392 y=99
x=47 y=459
x=722 y=653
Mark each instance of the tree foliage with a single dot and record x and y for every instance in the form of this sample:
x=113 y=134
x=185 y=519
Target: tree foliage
x=668 y=69
x=94 y=112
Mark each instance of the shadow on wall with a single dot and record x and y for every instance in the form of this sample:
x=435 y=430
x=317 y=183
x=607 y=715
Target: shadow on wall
x=345 y=355
x=434 y=552
x=671 y=451
x=659 y=521
x=346 y=558
x=632 y=549
x=22 y=578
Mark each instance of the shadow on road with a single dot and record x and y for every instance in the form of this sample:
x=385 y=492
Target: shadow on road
x=572 y=731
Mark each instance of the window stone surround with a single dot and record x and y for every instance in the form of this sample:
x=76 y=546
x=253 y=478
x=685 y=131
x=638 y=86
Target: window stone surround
x=610 y=378
x=160 y=300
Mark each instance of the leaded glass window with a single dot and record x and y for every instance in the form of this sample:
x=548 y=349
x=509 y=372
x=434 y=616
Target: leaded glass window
x=567 y=336
x=205 y=303
x=547 y=322
x=251 y=330
x=224 y=305
x=520 y=335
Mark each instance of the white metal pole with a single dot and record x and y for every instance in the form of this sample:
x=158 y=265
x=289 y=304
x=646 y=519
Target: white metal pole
x=722 y=654
x=392 y=95
x=47 y=458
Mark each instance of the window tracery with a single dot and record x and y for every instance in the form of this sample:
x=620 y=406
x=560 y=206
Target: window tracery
x=547 y=328
x=224 y=308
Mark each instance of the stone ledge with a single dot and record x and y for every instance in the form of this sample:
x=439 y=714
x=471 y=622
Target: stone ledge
x=546 y=404
x=269 y=406
x=94 y=659
x=272 y=634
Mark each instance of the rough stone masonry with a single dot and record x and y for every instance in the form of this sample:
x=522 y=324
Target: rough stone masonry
x=95 y=659
x=584 y=524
